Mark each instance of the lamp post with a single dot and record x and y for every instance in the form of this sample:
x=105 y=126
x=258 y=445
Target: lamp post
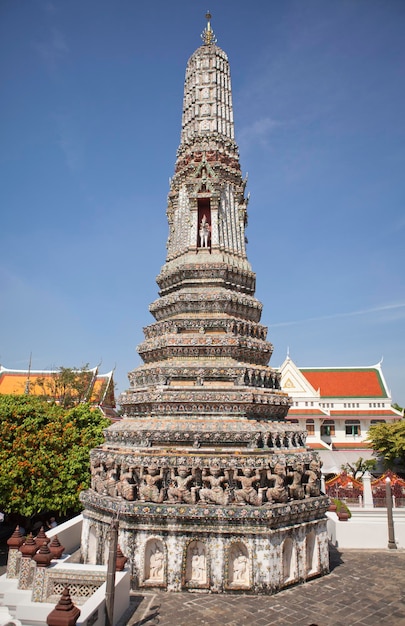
x=391 y=536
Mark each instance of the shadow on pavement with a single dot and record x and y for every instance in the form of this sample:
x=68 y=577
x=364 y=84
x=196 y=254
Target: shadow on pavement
x=335 y=557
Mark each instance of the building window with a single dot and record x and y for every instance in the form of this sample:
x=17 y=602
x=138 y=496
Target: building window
x=328 y=428
x=310 y=426
x=377 y=422
x=352 y=428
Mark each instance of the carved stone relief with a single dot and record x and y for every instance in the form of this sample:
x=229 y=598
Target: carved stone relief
x=192 y=482
x=196 y=564
x=238 y=566
x=154 y=561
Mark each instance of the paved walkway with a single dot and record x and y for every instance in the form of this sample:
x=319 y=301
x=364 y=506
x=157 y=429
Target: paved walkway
x=364 y=588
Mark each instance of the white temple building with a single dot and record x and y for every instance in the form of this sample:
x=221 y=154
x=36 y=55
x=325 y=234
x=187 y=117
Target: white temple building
x=337 y=406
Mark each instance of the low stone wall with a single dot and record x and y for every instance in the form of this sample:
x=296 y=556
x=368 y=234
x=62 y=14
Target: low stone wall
x=367 y=529
x=31 y=595
x=69 y=533
x=93 y=610
x=33 y=613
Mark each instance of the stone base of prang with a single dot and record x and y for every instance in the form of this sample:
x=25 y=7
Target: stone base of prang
x=233 y=548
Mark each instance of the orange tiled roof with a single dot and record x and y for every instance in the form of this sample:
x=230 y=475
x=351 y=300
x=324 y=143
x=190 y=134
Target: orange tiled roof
x=100 y=388
x=368 y=413
x=346 y=382
x=357 y=445
x=15 y=382
x=40 y=383
x=305 y=413
x=344 y=480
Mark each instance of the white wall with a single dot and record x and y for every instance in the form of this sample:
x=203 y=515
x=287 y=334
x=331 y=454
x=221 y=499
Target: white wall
x=31 y=613
x=366 y=529
x=69 y=533
x=94 y=608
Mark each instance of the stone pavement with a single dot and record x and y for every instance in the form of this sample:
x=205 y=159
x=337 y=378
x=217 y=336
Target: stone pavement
x=364 y=588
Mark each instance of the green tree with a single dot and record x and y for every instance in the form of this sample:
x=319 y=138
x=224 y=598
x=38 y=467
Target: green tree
x=69 y=386
x=44 y=455
x=389 y=441
x=360 y=467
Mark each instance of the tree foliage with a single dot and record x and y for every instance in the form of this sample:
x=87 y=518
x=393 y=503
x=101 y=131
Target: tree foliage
x=359 y=467
x=69 y=386
x=44 y=454
x=389 y=441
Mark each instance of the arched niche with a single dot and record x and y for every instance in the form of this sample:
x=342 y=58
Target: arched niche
x=289 y=559
x=238 y=565
x=204 y=222
x=92 y=547
x=311 y=554
x=154 y=562
x=196 y=564
x=106 y=552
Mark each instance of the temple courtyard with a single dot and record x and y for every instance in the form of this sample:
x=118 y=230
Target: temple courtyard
x=365 y=587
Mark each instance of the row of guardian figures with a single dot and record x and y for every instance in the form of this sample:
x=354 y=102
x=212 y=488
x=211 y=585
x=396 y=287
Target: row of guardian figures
x=256 y=378
x=207 y=485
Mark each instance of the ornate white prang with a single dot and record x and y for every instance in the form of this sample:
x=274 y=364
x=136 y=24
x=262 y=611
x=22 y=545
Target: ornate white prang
x=216 y=491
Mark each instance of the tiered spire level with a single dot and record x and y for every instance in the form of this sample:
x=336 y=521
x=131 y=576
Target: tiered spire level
x=207 y=103
x=208 y=183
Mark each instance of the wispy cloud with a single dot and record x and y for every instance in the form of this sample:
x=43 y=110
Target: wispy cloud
x=70 y=141
x=50 y=7
x=399 y=224
x=385 y=308
x=54 y=50
x=258 y=132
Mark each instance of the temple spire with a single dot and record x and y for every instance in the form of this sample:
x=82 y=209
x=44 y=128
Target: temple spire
x=208 y=35
x=207 y=208
x=203 y=440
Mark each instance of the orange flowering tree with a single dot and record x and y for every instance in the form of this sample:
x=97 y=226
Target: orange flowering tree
x=44 y=454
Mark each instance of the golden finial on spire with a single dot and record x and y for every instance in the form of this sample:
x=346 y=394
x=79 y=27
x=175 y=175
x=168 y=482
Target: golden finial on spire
x=207 y=35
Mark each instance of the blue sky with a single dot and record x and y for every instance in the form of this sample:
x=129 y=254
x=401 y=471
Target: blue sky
x=90 y=123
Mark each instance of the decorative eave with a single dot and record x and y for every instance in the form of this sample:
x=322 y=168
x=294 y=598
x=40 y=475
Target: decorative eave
x=366 y=414
x=295 y=383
